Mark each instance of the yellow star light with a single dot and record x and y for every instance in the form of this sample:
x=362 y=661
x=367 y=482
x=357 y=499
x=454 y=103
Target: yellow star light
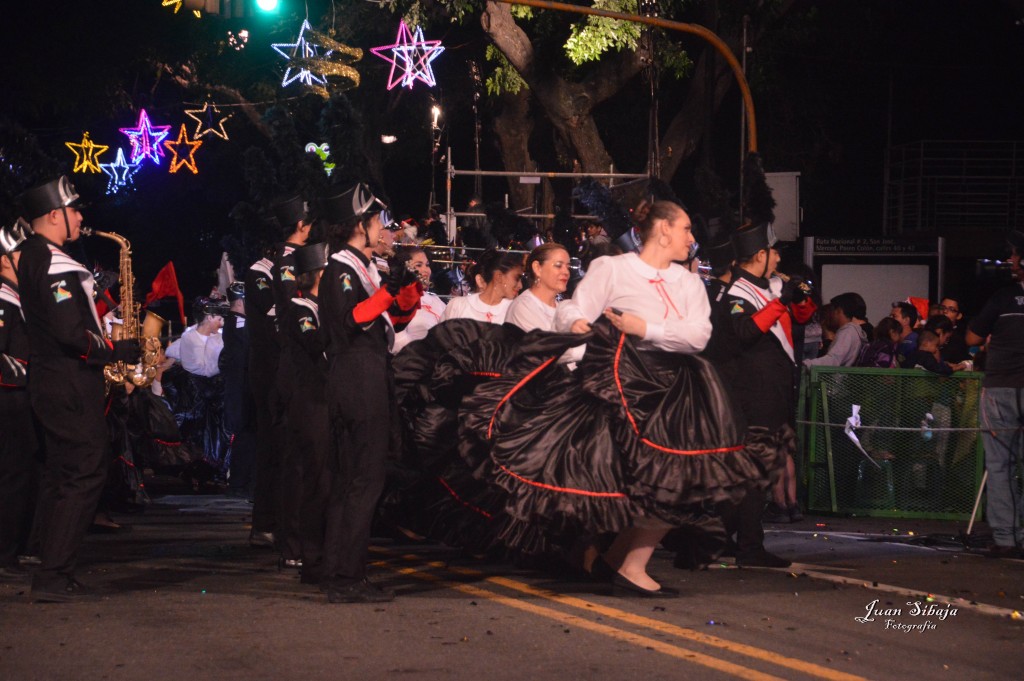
x=86 y=155
x=210 y=116
x=189 y=160
x=175 y=3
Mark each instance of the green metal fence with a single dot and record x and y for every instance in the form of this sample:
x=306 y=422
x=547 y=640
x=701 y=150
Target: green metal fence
x=921 y=473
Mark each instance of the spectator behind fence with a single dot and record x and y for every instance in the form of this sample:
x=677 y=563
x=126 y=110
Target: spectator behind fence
x=881 y=352
x=957 y=349
x=827 y=319
x=850 y=336
x=926 y=356
x=906 y=315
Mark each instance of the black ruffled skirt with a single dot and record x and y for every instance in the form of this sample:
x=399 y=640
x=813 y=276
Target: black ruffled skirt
x=556 y=454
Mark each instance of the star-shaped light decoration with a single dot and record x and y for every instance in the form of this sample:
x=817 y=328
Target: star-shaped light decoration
x=322 y=151
x=209 y=116
x=300 y=49
x=410 y=57
x=176 y=4
x=87 y=154
x=120 y=173
x=188 y=160
x=146 y=139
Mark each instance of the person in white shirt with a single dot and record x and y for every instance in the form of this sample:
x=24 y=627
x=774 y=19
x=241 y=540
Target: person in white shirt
x=547 y=276
x=431 y=306
x=497 y=277
x=201 y=344
x=666 y=307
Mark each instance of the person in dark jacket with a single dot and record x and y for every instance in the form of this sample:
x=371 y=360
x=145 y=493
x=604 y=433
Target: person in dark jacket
x=754 y=339
x=359 y=332
x=66 y=386
x=302 y=371
x=239 y=409
x=18 y=444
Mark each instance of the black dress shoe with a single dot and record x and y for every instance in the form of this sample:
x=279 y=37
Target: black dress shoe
x=621 y=583
x=601 y=571
x=14 y=573
x=763 y=559
x=71 y=591
x=359 y=592
x=261 y=540
x=288 y=564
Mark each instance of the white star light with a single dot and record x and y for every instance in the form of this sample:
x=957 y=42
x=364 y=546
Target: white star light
x=300 y=49
x=120 y=173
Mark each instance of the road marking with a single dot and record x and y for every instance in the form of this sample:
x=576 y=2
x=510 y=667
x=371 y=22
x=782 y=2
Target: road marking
x=638 y=620
x=576 y=621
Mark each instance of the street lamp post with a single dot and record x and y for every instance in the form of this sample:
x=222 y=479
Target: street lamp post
x=435 y=143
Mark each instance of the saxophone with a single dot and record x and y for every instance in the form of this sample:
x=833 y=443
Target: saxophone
x=142 y=374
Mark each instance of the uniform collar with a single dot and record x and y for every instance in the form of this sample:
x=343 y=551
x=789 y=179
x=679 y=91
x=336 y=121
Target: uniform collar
x=357 y=252
x=757 y=281
x=673 y=273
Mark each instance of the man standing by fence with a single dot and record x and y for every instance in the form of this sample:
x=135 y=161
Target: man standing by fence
x=1002 y=412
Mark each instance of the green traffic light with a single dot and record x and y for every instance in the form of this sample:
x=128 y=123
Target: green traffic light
x=267 y=5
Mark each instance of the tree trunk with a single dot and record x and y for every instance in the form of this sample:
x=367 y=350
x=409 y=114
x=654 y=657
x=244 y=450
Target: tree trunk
x=513 y=127
x=568 y=105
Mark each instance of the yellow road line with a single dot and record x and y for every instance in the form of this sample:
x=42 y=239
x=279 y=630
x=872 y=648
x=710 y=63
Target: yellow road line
x=573 y=620
x=650 y=623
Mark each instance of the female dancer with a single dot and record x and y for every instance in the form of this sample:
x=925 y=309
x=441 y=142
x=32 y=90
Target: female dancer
x=547 y=275
x=497 y=278
x=431 y=307
x=642 y=433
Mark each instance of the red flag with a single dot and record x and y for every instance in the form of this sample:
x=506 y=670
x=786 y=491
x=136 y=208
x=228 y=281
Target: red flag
x=165 y=284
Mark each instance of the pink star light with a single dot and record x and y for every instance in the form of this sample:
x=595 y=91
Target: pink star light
x=410 y=57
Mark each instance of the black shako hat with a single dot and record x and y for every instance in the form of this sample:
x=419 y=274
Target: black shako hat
x=236 y=291
x=341 y=207
x=290 y=210
x=746 y=241
x=52 y=195
x=310 y=258
x=11 y=237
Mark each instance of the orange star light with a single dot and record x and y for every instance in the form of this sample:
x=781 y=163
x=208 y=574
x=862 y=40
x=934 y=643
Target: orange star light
x=86 y=155
x=188 y=161
x=210 y=116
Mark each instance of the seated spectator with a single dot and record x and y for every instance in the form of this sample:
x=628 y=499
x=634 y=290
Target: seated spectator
x=201 y=344
x=941 y=327
x=926 y=356
x=882 y=351
x=906 y=315
x=850 y=336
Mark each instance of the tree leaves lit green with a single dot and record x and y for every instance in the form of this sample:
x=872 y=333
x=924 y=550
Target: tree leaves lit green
x=597 y=35
x=504 y=77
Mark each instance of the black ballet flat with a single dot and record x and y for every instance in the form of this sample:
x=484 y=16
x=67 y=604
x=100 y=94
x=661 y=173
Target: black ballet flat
x=601 y=571
x=621 y=583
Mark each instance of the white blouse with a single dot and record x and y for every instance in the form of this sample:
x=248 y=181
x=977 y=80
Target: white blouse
x=672 y=301
x=529 y=312
x=471 y=307
x=426 y=318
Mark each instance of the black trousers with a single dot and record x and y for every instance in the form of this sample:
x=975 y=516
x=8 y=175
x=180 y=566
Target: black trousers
x=307 y=486
x=18 y=453
x=266 y=497
x=68 y=403
x=358 y=397
x=744 y=520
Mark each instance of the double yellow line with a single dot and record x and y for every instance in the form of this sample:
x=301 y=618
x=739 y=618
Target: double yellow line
x=676 y=651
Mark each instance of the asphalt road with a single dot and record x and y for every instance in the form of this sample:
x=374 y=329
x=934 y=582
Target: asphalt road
x=187 y=598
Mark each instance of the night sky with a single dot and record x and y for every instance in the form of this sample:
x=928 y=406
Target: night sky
x=832 y=83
